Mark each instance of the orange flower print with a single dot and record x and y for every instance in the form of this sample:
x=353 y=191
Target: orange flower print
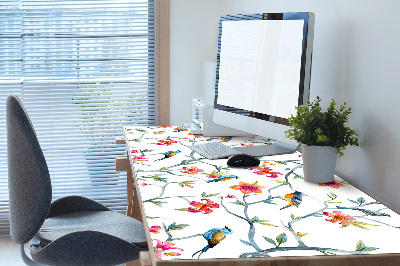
x=204 y=207
x=338 y=216
x=335 y=184
x=192 y=170
x=265 y=170
x=247 y=188
x=195 y=135
x=166 y=142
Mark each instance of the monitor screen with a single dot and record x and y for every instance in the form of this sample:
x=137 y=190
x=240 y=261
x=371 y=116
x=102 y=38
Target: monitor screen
x=260 y=63
x=263 y=71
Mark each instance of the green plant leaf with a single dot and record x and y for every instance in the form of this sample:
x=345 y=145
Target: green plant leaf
x=296 y=176
x=360 y=200
x=157 y=203
x=361 y=224
x=211 y=195
x=294 y=217
x=327 y=253
x=282 y=238
x=255 y=219
x=160 y=179
x=238 y=202
x=178 y=227
x=360 y=245
x=268 y=224
x=269 y=240
x=332 y=196
x=182 y=209
x=312 y=126
x=186 y=183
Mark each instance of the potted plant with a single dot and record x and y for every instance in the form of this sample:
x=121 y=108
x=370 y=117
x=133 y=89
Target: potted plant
x=323 y=135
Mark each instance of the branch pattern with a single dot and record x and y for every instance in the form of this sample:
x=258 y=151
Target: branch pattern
x=272 y=199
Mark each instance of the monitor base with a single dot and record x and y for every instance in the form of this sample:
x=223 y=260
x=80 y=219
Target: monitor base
x=275 y=148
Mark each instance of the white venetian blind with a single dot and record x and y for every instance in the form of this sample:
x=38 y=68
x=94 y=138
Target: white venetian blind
x=82 y=69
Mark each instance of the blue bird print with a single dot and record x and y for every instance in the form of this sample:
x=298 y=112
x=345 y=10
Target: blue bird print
x=226 y=139
x=169 y=154
x=214 y=237
x=294 y=199
x=179 y=129
x=223 y=178
x=365 y=211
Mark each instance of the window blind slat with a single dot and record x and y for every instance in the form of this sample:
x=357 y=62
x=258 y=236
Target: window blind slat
x=83 y=69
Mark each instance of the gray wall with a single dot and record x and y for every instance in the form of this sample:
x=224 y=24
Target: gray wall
x=355 y=60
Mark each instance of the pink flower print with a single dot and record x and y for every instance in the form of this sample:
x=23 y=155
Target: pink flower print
x=155 y=229
x=139 y=158
x=265 y=170
x=333 y=184
x=205 y=207
x=231 y=196
x=144 y=184
x=134 y=151
x=161 y=247
x=338 y=216
x=166 y=142
x=214 y=174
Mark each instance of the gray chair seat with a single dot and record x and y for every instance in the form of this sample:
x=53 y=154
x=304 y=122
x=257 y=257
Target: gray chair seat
x=72 y=230
x=111 y=223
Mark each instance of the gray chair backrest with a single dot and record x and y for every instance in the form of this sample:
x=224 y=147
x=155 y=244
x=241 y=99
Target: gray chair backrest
x=29 y=183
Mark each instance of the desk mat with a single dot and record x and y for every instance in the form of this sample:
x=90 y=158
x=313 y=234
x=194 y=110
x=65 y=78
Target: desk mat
x=198 y=208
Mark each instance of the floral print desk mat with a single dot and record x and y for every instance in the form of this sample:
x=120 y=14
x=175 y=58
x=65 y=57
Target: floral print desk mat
x=201 y=208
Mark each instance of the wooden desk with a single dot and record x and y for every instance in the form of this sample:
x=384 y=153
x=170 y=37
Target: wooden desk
x=183 y=195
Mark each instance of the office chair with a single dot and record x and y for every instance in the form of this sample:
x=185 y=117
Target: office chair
x=70 y=231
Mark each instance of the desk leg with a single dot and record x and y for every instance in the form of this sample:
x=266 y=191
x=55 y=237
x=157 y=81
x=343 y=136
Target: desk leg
x=130 y=191
x=132 y=198
x=144 y=260
x=133 y=210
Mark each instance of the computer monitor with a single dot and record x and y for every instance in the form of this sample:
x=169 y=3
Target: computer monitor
x=263 y=73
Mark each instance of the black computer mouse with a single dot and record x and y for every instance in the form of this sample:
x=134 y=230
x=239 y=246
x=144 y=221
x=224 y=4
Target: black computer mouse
x=240 y=160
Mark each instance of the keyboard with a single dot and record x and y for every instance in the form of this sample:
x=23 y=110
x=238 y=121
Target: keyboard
x=214 y=150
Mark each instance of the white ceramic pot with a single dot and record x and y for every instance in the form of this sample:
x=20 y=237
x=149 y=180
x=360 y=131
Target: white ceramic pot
x=319 y=163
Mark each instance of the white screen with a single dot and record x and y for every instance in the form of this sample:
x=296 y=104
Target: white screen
x=260 y=64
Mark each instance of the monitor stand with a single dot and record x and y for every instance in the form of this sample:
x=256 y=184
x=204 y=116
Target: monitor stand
x=275 y=148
